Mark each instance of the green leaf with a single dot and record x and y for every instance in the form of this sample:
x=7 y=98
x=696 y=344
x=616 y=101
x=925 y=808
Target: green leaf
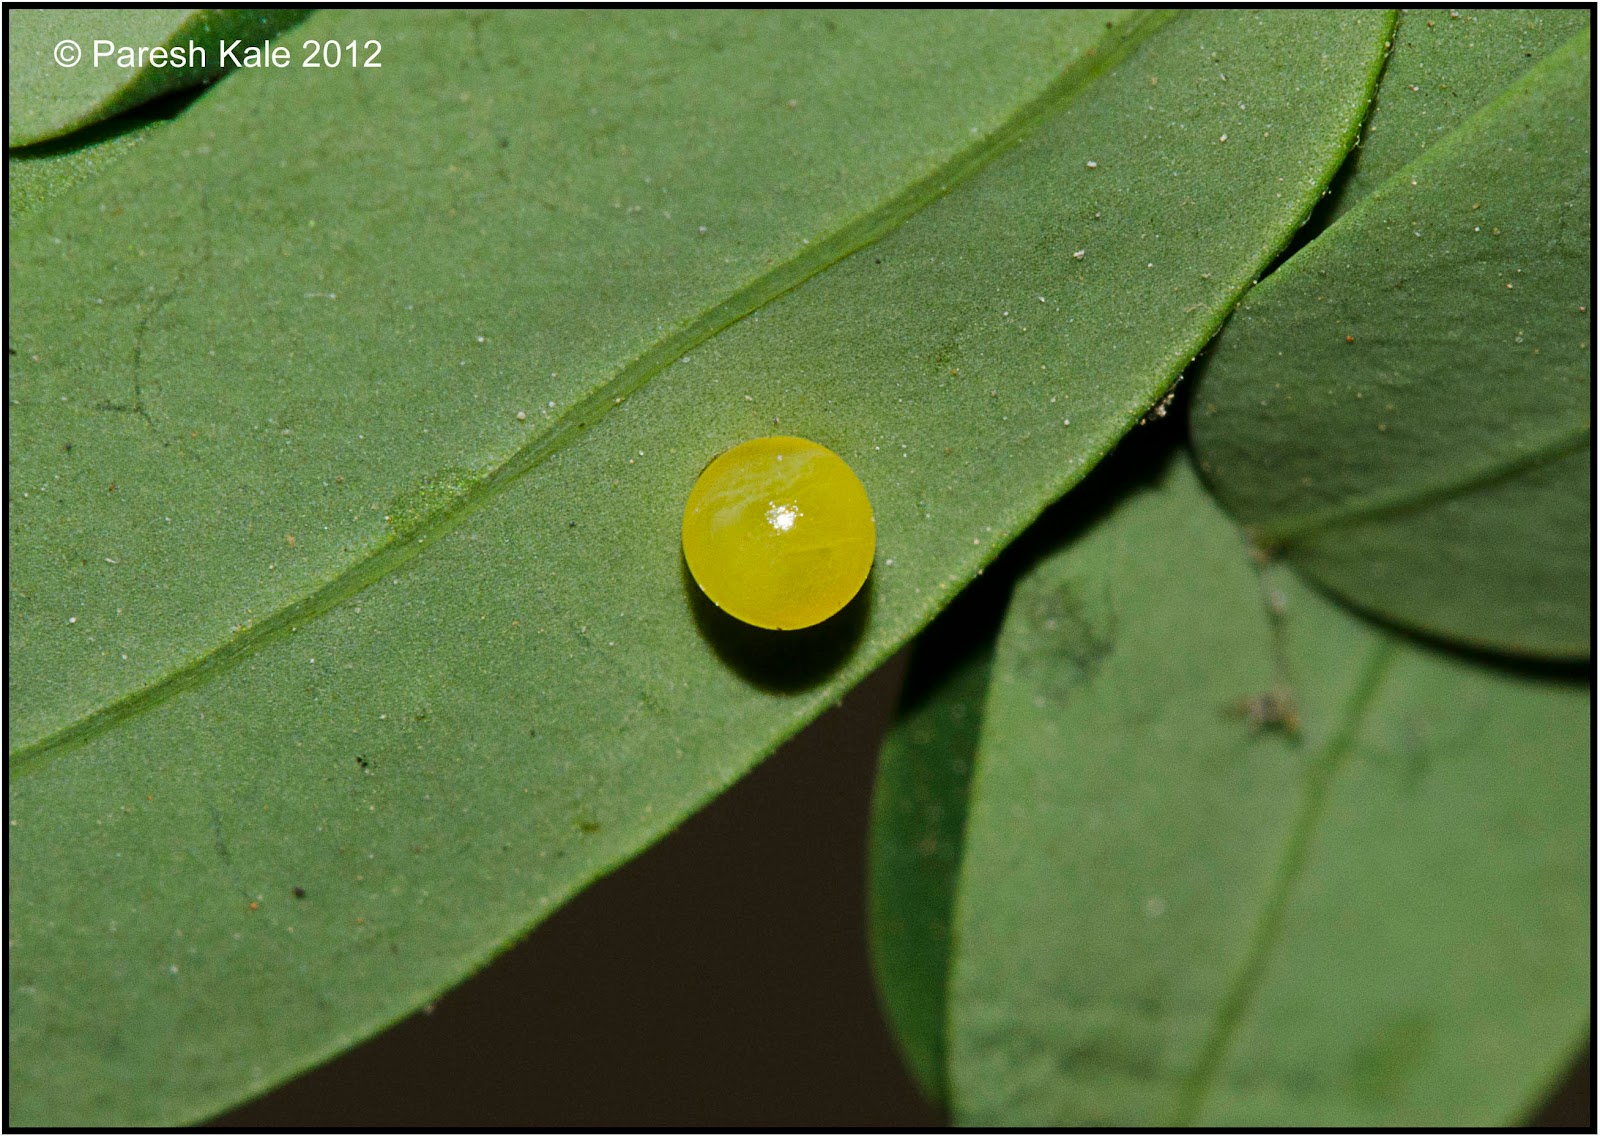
x=115 y=68
x=1235 y=857
x=919 y=807
x=41 y=173
x=1445 y=64
x=476 y=678
x=1405 y=405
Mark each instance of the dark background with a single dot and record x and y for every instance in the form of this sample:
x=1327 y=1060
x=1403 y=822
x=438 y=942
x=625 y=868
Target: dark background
x=720 y=979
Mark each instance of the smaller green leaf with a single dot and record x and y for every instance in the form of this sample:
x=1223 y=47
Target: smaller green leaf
x=1405 y=405
x=1235 y=857
x=919 y=806
x=69 y=67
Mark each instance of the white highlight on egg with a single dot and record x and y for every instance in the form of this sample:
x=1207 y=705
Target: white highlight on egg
x=782 y=517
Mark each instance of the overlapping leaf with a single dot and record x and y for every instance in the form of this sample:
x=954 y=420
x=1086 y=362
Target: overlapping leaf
x=1444 y=66
x=1235 y=857
x=71 y=67
x=351 y=426
x=1405 y=405
x=919 y=810
x=35 y=176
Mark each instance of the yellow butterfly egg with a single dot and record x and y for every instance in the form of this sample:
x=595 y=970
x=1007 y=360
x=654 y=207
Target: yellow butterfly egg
x=779 y=533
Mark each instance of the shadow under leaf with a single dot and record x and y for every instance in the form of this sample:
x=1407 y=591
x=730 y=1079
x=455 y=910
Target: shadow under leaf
x=159 y=110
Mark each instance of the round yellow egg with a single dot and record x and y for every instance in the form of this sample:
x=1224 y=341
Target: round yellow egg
x=779 y=533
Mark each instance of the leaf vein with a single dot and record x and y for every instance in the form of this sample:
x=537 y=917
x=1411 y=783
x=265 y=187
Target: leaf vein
x=1202 y=1079
x=1409 y=498
x=815 y=258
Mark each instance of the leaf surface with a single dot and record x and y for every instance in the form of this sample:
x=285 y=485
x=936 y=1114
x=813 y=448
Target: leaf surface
x=919 y=804
x=38 y=174
x=47 y=98
x=1405 y=405
x=919 y=809
x=307 y=606
x=1235 y=857
x=1444 y=66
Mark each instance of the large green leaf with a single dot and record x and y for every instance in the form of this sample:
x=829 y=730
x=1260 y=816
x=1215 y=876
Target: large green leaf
x=1405 y=405
x=50 y=91
x=474 y=678
x=40 y=173
x=1235 y=857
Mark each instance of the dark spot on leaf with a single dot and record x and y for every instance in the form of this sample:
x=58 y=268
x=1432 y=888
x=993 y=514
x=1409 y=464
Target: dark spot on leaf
x=1070 y=636
x=436 y=493
x=1130 y=1053
x=299 y=893
x=1276 y=710
x=1381 y=1067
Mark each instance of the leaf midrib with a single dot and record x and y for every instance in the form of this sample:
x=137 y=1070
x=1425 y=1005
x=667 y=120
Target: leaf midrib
x=1197 y=1086
x=1111 y=49
x=1422 y=494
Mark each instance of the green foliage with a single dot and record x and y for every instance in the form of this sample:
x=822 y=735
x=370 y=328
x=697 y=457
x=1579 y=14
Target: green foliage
x=1444 y=66
x=36 y=175
x=1214 y=850
x=47 y=99
x=351 y=422
x=1235 y=857
x=1405 y=405
x=918 y=812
